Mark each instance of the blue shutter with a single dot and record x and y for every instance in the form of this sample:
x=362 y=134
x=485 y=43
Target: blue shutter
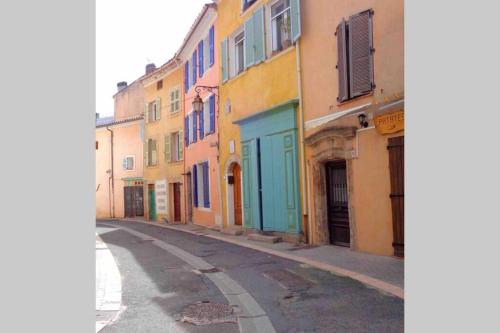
x=200 y=58
x=212 y=114
x=195 y=132
x=195 y=186
x=258 y=26
x=206 y=190
x=211 y=41
x=195 y=72
x=249 y=43
x=202 y=128
x=186 y=76
x=186 y=131
x=224 y=60
x=295 y=19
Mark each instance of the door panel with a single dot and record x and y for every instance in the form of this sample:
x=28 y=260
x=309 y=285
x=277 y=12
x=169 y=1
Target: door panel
x=177 y=202
x=237 y=194
x=138 y=201
x=337 y=203
x=396 y=168
x=128 y=197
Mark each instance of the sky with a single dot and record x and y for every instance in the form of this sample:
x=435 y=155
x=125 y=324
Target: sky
x=132 y=33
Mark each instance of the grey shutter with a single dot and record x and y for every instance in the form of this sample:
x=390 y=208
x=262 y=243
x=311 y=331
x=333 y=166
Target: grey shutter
x=158 y=109
x=295 y=19
x=146 y=113
x=259 y=39
x=168 y=149
x=181 y=147
x=360 y=54
x=224 y=60
x=249 y=43
x=342 y=62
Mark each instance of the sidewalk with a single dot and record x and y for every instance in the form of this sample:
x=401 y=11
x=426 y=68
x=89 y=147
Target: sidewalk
x=383 y=273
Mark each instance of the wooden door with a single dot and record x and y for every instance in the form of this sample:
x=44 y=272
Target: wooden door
x=177 y=202
x=138 y=201
x=337 y=203
x=152 y=202
x=237 y=194
x=396 y=168
x=129 y=201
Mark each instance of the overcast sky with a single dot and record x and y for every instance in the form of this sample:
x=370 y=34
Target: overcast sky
x=131 y=33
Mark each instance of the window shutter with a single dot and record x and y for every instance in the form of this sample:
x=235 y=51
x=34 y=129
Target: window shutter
x=342 y=61
x=195 y=72
x=168 y=149
x=224 y=60
x=195 y=133
x=124 y=163
x=146 y=113
x=186 y=76
x=211 y=42
x=360 y=54
x=146 y=149
x=212 y=114
x=200 y=58
x=158 y=109
x=258 y=25
x=154 y=153
x=249 y=43
x=202 y=127
x=295 y=19
x=195 y=186
x=181 y=148
x=186 y=131
x=206 y=190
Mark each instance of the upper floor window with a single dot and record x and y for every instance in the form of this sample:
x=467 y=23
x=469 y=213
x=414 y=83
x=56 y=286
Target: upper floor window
x=153 y=111
x=355 y=56
x=173 y=147
x=128 y=163
x=281 y=26
x=175 y=100
x=151 y=158
x=159 y=85
x=201 y=185
x=247 y=3
x=239 y=53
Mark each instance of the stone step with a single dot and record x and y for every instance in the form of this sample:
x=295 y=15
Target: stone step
x=232 y=231
x=264 y=238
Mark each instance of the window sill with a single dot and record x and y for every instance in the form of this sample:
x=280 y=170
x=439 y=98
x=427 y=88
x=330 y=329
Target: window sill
x=279 y=54
x=174 y=114
x=355 y=99
x=237 y=76
x=175 y=162
x=203 y=209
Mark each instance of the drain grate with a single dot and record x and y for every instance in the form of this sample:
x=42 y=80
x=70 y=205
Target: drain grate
x=206 y=313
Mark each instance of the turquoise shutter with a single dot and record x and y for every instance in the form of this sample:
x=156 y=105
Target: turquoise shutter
x=224 y=60
x=249 y=43
x=295 y=19
x=251 y=207
x=259 y=40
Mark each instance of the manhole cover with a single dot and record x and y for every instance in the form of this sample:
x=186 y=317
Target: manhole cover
x=207 y=313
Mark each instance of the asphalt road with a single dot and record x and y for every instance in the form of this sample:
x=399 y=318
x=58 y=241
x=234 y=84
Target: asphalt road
x=158 y=285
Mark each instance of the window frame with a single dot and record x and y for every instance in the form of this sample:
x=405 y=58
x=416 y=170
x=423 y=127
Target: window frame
x=270 y=26
x=200 y=189
x=245 y=4
x=236 y=58
x=150 y=153
x=175 y=89
x=126 y=157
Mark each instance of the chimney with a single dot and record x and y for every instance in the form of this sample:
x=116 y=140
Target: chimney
x=121 y=85
x=150 y=68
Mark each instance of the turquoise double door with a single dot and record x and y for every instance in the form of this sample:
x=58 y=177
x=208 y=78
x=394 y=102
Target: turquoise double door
x=270 y=171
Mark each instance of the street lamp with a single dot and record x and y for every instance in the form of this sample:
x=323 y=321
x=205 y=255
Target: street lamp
x=197 y=101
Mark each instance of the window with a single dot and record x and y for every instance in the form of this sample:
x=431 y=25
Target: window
x=239 y=53
x=355 y=56
x=194 y=67
x=128 y=163
x=175 y=100
x=159 y=85
x=151 y=153
x=207 y=117
x=191 y=133
x=247 y=3
x=281 y=26
x=173 y=147
x=153 y=110
x=201 y=185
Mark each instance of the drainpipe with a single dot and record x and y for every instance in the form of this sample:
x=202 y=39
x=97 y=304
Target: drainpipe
x=176 y=59
x=112 y=176
x=301 y=145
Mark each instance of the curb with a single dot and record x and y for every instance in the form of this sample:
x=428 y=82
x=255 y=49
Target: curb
x=365 y=279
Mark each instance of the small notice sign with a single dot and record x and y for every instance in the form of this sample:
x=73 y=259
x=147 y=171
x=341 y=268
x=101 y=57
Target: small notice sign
x=390 y=123
x=161 y=195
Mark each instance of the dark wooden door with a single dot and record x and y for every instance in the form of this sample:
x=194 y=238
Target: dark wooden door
x=396 y=168
x=237 y=194
x=337 y=203
x=139 y=200
x=129 y=201
x=177 y=202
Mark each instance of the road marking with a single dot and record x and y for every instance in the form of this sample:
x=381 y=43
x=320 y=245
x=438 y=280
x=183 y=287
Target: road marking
x=252 y=317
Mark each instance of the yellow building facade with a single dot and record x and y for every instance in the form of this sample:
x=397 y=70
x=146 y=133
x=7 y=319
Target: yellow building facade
x=164 y=144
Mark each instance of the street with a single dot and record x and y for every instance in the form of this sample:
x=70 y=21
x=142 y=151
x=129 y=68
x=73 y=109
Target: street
x=171 y=279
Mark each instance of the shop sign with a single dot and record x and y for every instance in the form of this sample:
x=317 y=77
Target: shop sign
x=390 y=123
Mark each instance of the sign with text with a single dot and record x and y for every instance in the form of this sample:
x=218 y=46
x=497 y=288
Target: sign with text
x=390 y=123
x=161 y=194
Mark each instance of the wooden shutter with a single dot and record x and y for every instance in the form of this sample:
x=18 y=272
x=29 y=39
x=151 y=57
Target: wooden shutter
x=342 y=62
x=158 y=109
x=360 y=54
x=295 y=19
x=202 y=126
x=194 y=121
x=249 y=43
x=200 y=58
x=146 y=113
x=396 y=169
x=195 y=72
x=195 y=186
x=180 y=146
x=206 y=189
x=168 y=149
x=211 y=43
x=146 y=152
x=154 y=153
x=259 y=38
x=212 y=114
x=224 y=60
x=186 y=76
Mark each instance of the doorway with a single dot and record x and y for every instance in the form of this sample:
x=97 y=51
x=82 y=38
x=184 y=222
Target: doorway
x=396 y=169
x=337 y=203
x=177 y=202
x=134 y=201
x=237 y=194
x=152 y=202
